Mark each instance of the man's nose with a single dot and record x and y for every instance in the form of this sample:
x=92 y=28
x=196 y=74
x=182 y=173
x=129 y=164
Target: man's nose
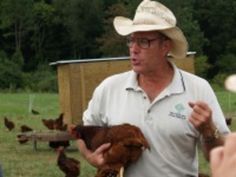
x=134 y=47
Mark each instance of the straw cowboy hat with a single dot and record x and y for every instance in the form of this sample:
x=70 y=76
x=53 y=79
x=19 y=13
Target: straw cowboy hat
x=230 y=83
x=153 y=16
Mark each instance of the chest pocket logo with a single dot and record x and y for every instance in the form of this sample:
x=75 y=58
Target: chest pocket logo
x=178 y=112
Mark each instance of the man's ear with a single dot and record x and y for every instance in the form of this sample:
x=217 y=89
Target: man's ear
x=166 y=46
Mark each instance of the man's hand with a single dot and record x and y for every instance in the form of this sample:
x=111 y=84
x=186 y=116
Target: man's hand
x=94 y=158
x=201 y=116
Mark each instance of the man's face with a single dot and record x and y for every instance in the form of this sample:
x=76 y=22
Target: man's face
x=147 y=50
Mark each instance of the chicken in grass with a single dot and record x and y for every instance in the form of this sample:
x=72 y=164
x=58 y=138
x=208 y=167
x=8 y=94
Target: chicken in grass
x=55 y=124
x=49 y=123
x=33 y=111
x=127 y=144
x=9 y=124
x=70 y=166
x=25 y=128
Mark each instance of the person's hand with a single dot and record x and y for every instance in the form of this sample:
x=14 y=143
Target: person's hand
x=223 y=158
x=94 y=158
x=201 y=116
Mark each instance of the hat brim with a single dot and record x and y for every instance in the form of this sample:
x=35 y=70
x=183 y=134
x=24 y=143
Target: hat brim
x=124 y=26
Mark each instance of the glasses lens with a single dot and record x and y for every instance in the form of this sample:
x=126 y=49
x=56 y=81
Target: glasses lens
x=130 y=42
x=143 y=43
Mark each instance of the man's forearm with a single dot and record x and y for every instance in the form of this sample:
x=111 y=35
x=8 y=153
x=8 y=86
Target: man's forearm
x=211 y=138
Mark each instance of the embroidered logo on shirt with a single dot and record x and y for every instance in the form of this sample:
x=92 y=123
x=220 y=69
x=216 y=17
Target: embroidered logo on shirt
x=178 y=113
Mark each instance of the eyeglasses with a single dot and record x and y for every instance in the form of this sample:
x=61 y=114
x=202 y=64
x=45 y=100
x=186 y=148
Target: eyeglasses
x=141 y=42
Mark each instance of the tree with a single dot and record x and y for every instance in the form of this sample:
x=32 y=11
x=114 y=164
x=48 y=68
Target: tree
x=112 y=44
x=43 y=15
x=83 y=20
x=217 y=20
x=15 y=16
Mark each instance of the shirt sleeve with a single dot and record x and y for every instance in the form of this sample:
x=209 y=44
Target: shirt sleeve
x=94 y=114
x=217 y=113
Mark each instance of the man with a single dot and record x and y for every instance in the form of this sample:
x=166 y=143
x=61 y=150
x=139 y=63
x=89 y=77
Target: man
x=174 y=109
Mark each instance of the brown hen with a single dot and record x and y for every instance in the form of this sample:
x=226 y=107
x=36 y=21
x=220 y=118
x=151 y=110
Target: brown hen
x=24 y=128
x=70 y=166
x=8 y=124
x=127 y=144
x=55 y=124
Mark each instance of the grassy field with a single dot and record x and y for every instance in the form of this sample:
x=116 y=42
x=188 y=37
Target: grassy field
x=23 y=161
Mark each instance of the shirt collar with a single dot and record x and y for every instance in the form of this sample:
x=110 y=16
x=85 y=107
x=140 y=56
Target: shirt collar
x=176 y=86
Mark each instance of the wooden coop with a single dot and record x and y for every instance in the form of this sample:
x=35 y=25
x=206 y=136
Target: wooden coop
x=77 y=80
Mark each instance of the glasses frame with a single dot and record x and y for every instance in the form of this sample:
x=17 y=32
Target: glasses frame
x=143 y=43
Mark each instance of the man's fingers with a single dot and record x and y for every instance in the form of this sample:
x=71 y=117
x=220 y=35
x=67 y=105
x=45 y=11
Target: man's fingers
x=103 y=147
x=82 y=146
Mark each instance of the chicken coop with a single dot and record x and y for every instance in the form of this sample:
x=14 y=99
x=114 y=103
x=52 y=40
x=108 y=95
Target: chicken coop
x=77 y=80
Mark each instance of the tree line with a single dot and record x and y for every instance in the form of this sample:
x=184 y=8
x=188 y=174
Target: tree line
x=34 y=33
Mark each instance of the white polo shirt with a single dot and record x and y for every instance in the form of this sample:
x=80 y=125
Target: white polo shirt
x=164 y=122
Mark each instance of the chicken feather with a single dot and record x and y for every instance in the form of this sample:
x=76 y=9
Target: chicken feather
x=127 y=144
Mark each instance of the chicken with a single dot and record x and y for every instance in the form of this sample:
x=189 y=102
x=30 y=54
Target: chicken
x=55 y=124
x=70 y=166
x=33 y=111
x=127 y=144
x=25 y=128
x=9 y=124
x=57 y=144
x=49 y=123
x=58 y=123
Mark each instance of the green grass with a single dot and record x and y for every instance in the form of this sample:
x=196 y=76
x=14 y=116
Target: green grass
x=23 y=161
x=19 y=160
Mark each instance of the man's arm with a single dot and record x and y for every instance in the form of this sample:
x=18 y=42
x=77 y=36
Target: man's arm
x=201 y=118
x=210 y=139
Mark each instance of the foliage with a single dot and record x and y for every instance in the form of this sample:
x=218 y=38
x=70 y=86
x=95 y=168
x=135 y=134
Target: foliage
x=42 y=31
x=201 y=66
x=184 y=11
x=226 y=63
x=16 y=18
x=10 y=73
x=111 y=44
x=41 y=80
x=219 y=79
x=217 y=20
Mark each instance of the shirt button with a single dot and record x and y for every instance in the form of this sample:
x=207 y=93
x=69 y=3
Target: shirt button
x=148 y=111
